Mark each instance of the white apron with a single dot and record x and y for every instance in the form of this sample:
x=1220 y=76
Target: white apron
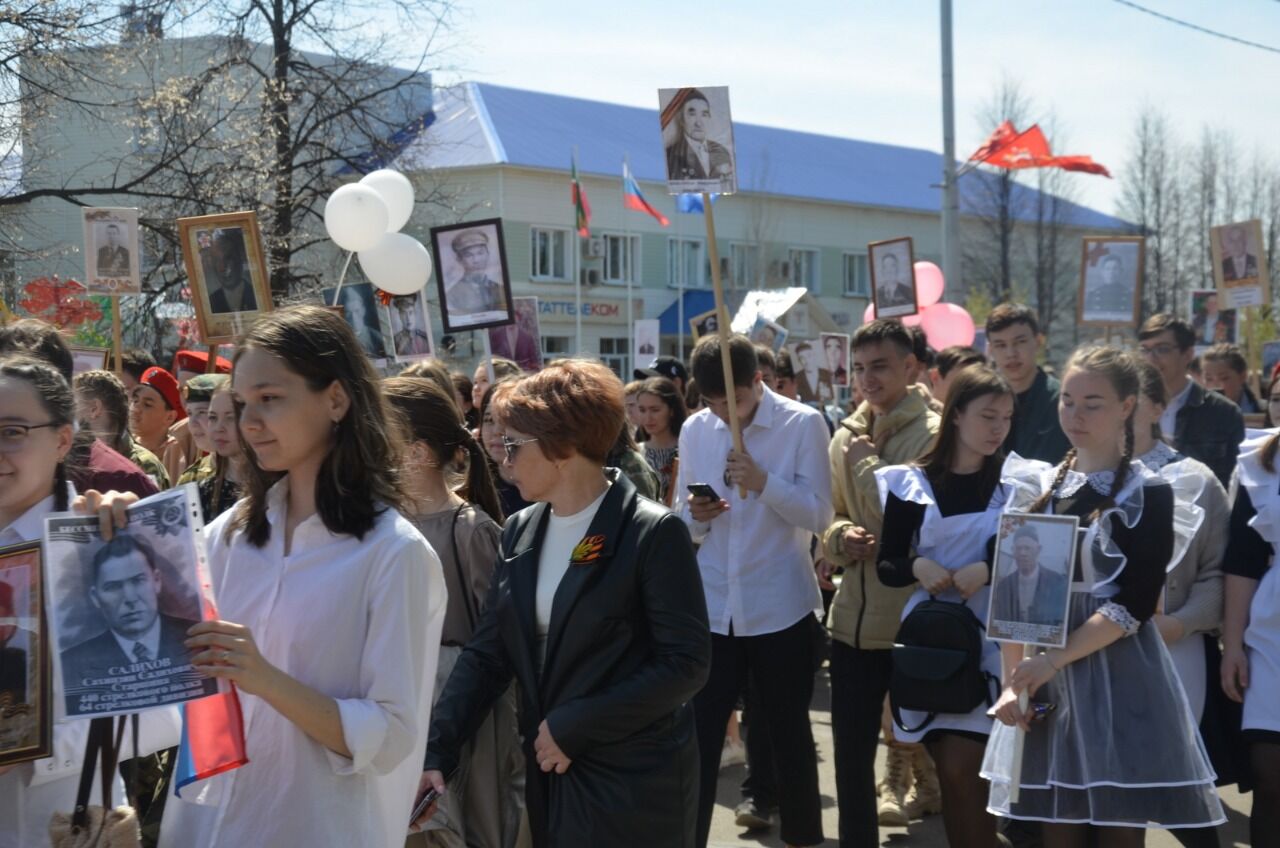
x=953 y=542
x=1262 y=636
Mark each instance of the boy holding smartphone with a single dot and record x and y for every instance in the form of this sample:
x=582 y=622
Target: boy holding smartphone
x=757 y=571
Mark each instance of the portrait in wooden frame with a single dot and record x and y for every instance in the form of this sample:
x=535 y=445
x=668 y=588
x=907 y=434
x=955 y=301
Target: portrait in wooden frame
x=472 y=275
x=1110 y=291
x=89 y=359
x=227 y=271
x=26 y=675
x=893 y=284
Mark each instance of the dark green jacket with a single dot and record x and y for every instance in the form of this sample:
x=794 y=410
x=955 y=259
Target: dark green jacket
x=1036 y=432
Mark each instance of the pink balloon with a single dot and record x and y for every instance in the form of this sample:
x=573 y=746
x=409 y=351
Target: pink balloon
x=929 y=283
x=946 y=324
x=869 y=314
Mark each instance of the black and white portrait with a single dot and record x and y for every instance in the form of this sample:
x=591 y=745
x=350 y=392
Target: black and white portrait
x=360 y=311
x=519 y=341
x=705 y=324
x=771 y=334
x=814 y=382
x=893 y=277
x=111 y=251
x=1240 y=263
x=1111 y=277
x=227 y=271
x=471 y=272
x=1031 y=579
x=835 y=352
x=645 y=333
x=410 y=327
x=697 y=140
x=120 y=610
x=25 y=708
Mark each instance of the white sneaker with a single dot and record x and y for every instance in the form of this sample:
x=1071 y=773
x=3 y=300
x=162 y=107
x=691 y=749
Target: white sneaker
x=733 y=754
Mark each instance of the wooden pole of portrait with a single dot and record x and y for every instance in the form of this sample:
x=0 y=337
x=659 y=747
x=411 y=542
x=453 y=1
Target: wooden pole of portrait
x=488 y=355
x=211 y=367
x=1019 y=737
x=117 y=335
x=713 y=254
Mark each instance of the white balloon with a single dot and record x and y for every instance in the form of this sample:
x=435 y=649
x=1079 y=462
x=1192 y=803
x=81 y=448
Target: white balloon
x=398 y=264
x=355 y=217
x=397 y=192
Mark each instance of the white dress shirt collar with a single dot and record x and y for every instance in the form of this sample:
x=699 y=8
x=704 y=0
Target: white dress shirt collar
x=150 y=640
x=764 y=411
x=29 y=527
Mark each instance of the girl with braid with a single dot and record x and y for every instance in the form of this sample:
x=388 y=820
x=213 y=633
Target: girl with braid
x=1111 y=746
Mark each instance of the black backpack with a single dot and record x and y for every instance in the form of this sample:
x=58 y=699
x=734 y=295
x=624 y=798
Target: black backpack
x=937 y=663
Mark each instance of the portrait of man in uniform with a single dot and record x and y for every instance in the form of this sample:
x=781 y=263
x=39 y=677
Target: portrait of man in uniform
x=113 y=257
x=410 y=337
x=1237 y=262
x=471 y=272
x=1111 y=273
x=893 y=281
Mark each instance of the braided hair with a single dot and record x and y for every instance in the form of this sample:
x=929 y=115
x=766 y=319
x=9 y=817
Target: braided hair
x=1121 y=370
x=55 y=396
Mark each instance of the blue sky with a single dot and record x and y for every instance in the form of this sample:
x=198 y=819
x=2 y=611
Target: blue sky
x=870 y=70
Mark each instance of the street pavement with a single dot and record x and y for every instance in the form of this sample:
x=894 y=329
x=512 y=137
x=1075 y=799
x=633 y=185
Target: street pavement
x=927 y=833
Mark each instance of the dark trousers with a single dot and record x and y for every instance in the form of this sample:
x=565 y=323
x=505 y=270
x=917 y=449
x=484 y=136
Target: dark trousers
x=783 y=664
x=761 y=782
x=859 y=683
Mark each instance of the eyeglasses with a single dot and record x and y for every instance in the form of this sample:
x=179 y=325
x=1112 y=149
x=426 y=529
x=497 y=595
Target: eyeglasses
x=513 y=445
x=13 y=437
x=1157 y=350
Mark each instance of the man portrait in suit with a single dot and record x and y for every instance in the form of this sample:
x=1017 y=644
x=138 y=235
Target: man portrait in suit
x=891 y=290
x=812 y=382
x=410 y=339
x=833 y=345
x=226 y=273
x=473 y=292
x=516 y=343
x=113 y=257
x=1237 y=262
x=1205 y=320
x=13 y=661
x=692 y=155
x=1033 y=593
x=1112 y=295
x=125 y=590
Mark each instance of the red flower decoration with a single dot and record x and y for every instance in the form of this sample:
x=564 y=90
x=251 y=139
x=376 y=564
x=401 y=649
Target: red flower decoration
x=587 y=551
x=59 y=302
x=384 y=298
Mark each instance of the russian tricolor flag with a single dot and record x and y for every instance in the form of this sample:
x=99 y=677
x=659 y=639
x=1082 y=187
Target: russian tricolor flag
x=212 y=739
x=633 y=199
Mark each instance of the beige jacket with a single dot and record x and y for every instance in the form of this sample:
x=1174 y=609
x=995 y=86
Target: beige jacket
x=865 y=613
x=1194 y=590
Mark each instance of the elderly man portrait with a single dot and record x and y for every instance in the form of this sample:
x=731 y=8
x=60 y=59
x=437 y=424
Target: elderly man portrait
x=891 y=289
x=1237 y=262
x=692 y=155
x=1032 y=593
x=113 y=257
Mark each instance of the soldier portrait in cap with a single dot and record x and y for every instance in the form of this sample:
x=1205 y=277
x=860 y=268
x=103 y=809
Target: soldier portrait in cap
x=697 y=137
x=1110 y=281
x=1031 y=578
x=471 y=273
x=410 y=327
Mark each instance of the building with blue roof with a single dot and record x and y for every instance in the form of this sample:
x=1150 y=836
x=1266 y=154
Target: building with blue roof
x=807 y=207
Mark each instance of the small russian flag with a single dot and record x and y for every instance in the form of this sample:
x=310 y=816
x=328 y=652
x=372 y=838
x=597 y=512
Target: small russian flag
x=212 y=739
x=691 y=204
x=633 y=199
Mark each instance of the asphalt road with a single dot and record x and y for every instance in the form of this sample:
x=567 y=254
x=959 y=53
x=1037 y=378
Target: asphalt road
x=927 y=833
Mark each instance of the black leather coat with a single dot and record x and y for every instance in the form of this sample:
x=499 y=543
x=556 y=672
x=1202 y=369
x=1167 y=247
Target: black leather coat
x=628 y=646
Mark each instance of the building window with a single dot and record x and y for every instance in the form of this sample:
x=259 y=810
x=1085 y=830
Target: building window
x=549 y=254
x=804 y=268
x=686 y=264
x=555 y=347
x=744 y=265
x=621 y=259
x=857 y=281
x=614 y=353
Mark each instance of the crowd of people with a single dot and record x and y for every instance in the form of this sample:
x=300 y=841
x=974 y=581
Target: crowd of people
x=549 y=606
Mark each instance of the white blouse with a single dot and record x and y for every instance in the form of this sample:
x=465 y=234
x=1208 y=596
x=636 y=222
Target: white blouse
x=359 y=621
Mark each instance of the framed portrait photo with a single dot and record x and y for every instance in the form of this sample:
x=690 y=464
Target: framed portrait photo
x=1240 y=263
x=704 y=324
x=118 y=651
x=521 y=340
x=1031 y=579
x=111 y=257
x=835 y=351
x=26 y=702
x=410 y=325
x=359 y=307
x=1110 y=280
x=227 y=269
x=90 y=359
x=697 y=140
x=1209 y=322
x=471 y=273
x=771 y=334
x=645 y=333
x=893 y=277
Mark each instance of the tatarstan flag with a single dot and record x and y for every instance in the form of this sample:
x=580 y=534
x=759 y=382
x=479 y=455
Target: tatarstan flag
x=582 y=207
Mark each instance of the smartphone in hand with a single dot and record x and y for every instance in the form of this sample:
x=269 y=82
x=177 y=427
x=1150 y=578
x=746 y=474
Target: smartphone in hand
x=703 y=490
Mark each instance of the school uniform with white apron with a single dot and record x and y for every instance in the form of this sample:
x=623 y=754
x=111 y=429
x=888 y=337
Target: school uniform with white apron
x=1262 y=636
